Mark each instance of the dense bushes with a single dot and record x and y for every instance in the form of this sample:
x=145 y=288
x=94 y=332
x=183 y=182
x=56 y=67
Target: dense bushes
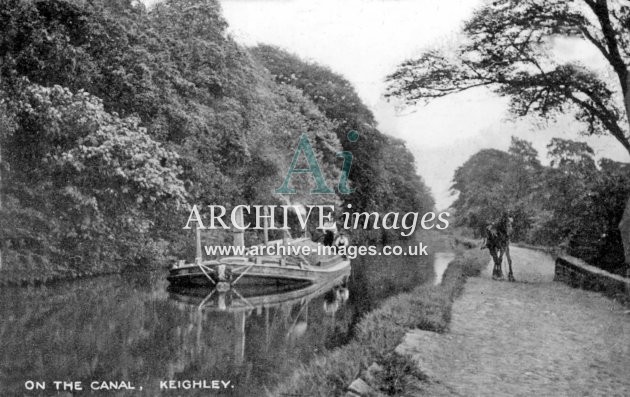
x=574 y=202
x=383 y=169
x=114 y=118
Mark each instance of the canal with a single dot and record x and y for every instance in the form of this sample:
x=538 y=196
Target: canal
x=133 y=328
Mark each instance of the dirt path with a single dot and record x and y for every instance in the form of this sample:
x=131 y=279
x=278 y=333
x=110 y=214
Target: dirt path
x=529 y=266
x=532 y=337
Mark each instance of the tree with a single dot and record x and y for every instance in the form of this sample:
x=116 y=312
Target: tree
x=587 y=203
x=383 y=170
x=610 y=193
x=507 y=49
x=83 y=181
x=481 y=183
x=112 y=115
x=572 y=202
x=570 y=177
x=337 y=99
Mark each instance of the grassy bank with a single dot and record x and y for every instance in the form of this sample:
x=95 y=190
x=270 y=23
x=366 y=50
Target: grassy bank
x=427 y=307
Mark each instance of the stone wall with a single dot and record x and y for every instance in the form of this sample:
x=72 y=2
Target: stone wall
x=579 y=274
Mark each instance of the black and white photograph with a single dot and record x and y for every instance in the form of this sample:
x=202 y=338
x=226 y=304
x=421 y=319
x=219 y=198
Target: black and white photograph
x=314 y=198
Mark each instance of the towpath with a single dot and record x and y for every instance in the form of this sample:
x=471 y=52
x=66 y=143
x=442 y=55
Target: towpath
x=531 y=337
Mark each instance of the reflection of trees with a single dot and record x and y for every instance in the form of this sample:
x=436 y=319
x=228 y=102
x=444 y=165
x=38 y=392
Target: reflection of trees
x=259 y=345
x=126 y=329
x=105 y=330
x=52 y=334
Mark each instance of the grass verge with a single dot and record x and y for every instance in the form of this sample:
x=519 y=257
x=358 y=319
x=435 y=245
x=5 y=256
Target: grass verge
x=428 y=307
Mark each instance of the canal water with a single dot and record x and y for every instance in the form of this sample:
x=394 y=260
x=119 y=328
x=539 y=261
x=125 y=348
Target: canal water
x=440 y=264
x=133 y=328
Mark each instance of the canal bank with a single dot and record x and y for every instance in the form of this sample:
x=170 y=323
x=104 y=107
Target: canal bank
x=370 y=354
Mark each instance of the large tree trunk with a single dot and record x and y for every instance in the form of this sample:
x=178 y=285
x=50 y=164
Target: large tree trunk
x=624 y=227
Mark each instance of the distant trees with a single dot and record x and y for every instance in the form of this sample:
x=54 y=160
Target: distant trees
x=508 y=47
x=574 y=202
x=113 y=118
x=587 y=201
x=482 y=182
x=493 y=181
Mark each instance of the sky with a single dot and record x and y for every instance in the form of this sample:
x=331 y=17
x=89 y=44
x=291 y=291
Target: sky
x=364 y=40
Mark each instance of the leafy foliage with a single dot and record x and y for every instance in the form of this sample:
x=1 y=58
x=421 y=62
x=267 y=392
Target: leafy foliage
x=508 y=49
x=114 y=118
x=83 y=177
x=574 y=202
x=383 y=170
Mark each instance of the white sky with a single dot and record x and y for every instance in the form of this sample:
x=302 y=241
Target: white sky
x=364 y=40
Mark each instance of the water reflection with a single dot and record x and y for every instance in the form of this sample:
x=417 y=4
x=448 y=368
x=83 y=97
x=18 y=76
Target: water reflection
x=132 y=328
x=282 y=313
x=440 y=264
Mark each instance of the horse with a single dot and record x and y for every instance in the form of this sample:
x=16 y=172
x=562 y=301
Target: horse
x=497 y=240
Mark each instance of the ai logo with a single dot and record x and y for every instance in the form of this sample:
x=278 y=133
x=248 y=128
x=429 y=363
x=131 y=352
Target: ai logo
x=304 y=146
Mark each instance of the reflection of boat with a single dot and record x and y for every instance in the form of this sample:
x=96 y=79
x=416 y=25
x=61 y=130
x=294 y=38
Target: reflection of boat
x=334 y=299
x=302 y=260
x=284 y=311
x=247 y=297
